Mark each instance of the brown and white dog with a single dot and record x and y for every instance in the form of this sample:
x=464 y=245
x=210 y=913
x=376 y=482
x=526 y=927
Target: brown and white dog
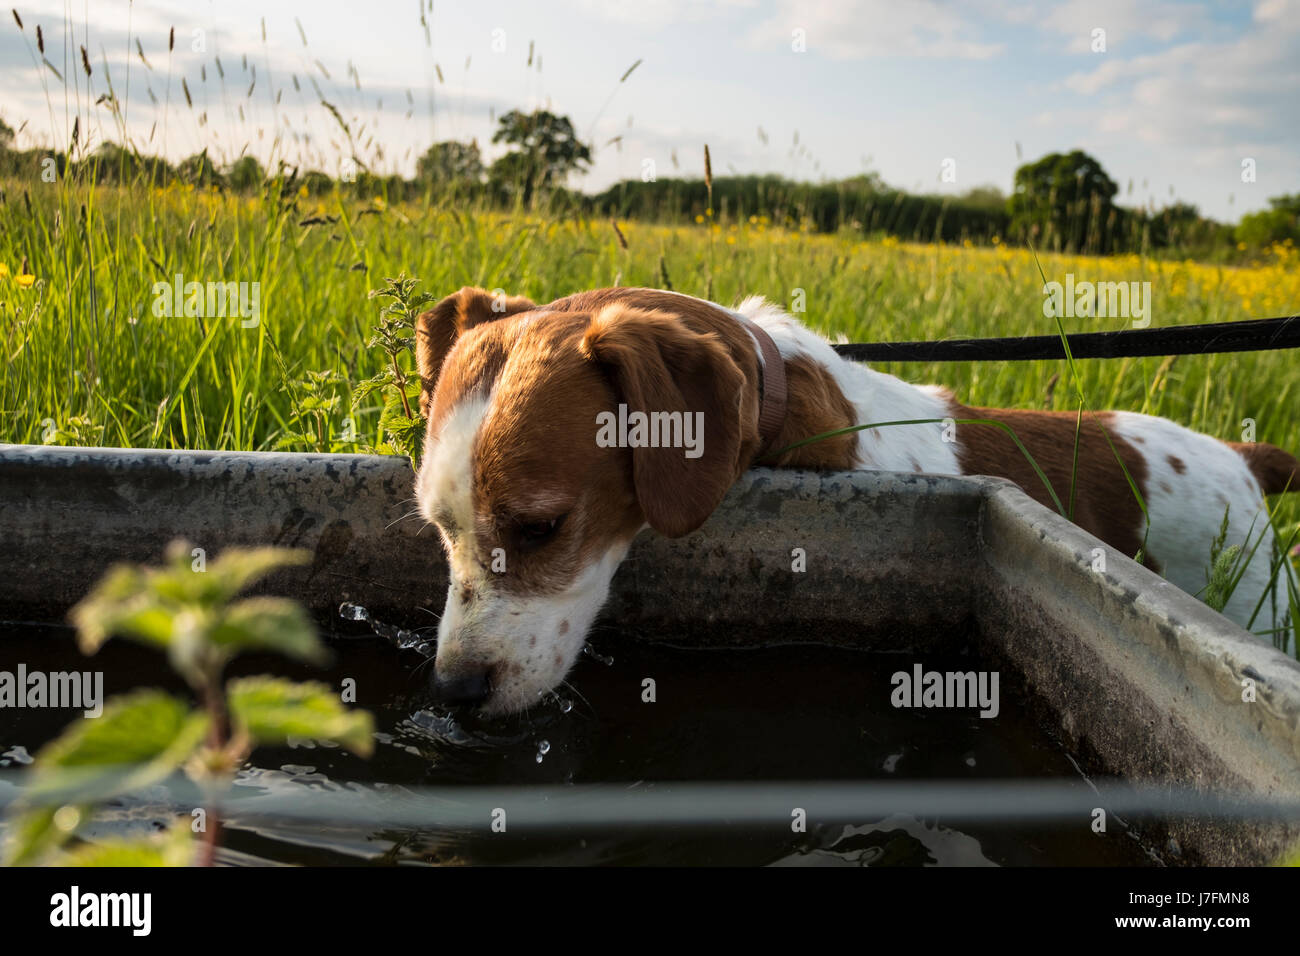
x=536 y=513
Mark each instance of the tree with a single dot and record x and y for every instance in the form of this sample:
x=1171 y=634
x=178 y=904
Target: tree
x=549 y=150
x=1065 y=200
x=1276 y=224
x=7 y=136
x=245 y=173
x=198 y=170
x=450 y=162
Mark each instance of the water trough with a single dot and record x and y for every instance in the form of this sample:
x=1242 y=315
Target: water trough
x=1139 y=680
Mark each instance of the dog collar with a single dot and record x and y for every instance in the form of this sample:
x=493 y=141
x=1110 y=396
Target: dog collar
x=771 y=387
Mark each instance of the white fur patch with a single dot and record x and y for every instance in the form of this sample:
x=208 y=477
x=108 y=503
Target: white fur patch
x=445 y=484
x=875 y=396
x=1187 y=509
x=529 y=641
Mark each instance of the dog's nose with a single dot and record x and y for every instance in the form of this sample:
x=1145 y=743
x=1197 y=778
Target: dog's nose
x=463 y=688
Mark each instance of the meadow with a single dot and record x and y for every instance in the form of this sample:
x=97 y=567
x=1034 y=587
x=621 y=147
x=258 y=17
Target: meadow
x=89 y=362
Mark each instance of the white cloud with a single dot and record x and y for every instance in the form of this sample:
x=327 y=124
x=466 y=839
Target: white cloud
x=853 y=29
x=1123 y=21
x=1234 y=91
x=657 y=13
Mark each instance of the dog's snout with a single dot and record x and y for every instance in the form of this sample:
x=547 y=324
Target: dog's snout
x=466 y=688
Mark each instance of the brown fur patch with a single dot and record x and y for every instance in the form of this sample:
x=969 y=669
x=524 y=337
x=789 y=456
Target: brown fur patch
x=536 y=457
x=437 y=330
x=656 y=363
x=1275 y=470
x=1104 y=504
x=815 y=405
x=1176 y=464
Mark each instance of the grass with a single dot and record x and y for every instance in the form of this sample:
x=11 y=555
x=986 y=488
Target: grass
x=87 y=362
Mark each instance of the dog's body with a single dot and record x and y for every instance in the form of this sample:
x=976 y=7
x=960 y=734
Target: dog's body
x=536 y=513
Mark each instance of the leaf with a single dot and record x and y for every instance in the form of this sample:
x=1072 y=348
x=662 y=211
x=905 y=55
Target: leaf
x=271 y=624
x=139 y=739
x=175 y=604
x=119 y=604
x=316 y=403
x=175 y=847
x=34 y=834
x=235 y=569
x=271 y=709
x=293 y=439
x=372 y=385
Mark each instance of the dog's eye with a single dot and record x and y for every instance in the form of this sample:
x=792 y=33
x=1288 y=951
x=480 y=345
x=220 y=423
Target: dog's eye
x=532 y=533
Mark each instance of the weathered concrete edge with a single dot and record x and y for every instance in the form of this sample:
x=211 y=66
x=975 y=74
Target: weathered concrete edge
x=1143 y=677
x=67 y=514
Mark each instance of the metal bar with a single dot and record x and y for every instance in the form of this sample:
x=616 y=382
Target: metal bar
x=602 y=806
x=1252 y=335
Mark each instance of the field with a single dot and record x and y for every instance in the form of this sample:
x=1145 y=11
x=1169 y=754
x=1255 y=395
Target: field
x=88 y=361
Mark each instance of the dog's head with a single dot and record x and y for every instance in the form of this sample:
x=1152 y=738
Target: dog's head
x=535 y=510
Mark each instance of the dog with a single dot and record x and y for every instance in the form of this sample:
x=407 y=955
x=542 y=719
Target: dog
x=536 y=511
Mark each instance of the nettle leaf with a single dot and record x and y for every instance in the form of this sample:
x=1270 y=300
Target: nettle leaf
x=293 y=439
x=271 y=709
x=176 y=604
x=35 y=834
x=371 y=385
x=317 y=403
x=121 y=604
x=175 y=847
x=139 y=740
x=323 y=378
x=269 y=624
x=234 y=570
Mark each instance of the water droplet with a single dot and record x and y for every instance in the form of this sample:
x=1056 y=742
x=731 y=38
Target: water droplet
x=543 y=748
x=607 y=661
x=402 y=639
x=566 y=705
x=353 y=612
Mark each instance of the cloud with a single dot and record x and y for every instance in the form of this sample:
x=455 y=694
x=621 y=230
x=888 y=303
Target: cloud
x=854 y=29
x=1125 y=21
x=1231 y=92
x=658 y=13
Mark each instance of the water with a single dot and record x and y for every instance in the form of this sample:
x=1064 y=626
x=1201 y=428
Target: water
x=801 y=713
x=399 y=638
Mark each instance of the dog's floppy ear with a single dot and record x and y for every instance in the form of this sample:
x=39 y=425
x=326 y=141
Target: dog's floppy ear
x=657 y=364
x=436 y=331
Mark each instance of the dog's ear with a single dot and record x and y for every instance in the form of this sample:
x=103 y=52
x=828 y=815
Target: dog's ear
x=657 y=364
x=437 y=330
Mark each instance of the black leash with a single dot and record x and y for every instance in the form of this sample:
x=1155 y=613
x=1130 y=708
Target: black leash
x=1252 y=335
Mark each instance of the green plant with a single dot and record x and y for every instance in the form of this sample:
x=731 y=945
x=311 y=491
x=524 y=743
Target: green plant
x=315 y=401
x=188 y=610
x=395 y=337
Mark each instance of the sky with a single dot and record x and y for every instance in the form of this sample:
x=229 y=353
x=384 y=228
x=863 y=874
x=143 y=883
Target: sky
x=934 y=96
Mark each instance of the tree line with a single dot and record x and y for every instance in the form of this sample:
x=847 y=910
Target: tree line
x=1060 y=202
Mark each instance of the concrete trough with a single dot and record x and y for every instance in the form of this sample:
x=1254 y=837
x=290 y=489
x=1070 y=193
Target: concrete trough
x=1139 y=680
